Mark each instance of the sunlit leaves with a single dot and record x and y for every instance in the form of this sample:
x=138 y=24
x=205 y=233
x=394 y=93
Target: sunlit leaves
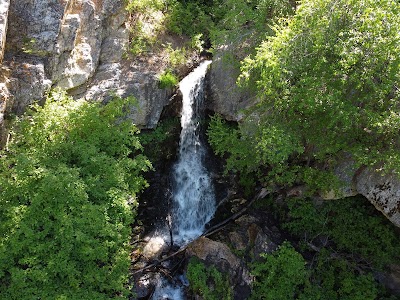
x=69 y=180
x=331 y=74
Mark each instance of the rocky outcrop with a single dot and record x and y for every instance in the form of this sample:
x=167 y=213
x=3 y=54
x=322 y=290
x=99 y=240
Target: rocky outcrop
x=4 y=6
x=226 y=98
x=381 y=190
x=219 y=255
x=80 y=46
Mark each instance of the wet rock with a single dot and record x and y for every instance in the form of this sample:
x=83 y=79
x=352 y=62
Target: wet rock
x=154 y=247
x=144 y=286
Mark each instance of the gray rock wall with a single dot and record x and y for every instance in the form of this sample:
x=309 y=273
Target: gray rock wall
x=226 y=98
x=4 y=7
x=77 y=45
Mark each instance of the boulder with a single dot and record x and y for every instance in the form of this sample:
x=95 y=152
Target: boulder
x=382 y=190
x=33 y=26
x=78 y=44
x=219 y=255
x=345 y=170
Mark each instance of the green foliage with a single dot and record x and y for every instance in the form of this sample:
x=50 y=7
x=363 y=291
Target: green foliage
x=267 y=153
x=140 y=42
x=69 y=181
x=155 y=141
x=188 y=18
x=284 y=275
x=144 y=5
x=331 y=78
x=280 y=276
x=167 y=80
x=208 y=282
x=335 y=279
x=176 y=57
x=345 y=223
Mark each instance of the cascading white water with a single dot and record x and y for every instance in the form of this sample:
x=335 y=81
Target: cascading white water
x=193 y=192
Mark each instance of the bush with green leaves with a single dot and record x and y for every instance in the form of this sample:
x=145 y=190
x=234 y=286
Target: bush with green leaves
x=351 y=226
x=330 y=76
x=324 y=92
x=284 y=274
x=280 y=276
x=208 y=282
x=335 y=278
x=266 y=154
x=167 y=80
x=68 y=184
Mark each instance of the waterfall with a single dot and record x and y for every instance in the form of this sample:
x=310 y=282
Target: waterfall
x=193 y=199
x=193 y=192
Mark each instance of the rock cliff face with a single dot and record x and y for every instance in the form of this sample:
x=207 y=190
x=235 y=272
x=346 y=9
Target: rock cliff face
x=4 y=6
x=77 y=45
x=226 y=98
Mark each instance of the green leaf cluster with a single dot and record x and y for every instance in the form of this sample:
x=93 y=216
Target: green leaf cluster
x=335 y=278
x=208 y=282
x=331 y=75
x=344 y=223
x=284 y=274
x=280 y=275
x=266 y=153
x=167 y=80
x=69 y=179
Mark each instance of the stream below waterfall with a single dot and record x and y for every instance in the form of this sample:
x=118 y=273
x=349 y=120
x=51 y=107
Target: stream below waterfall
x=193 y=197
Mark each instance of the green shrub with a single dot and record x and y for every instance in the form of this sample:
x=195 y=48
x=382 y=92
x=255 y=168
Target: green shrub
x=69 y=181
x=176 y=57
x=188 y=18
x=208 y=282
x=144 y=5
x=167 y=80
x=321 y=78
x=335 y=278
x=284 y=275
x=155 y=141
x=280 y=276
x=345 y=222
